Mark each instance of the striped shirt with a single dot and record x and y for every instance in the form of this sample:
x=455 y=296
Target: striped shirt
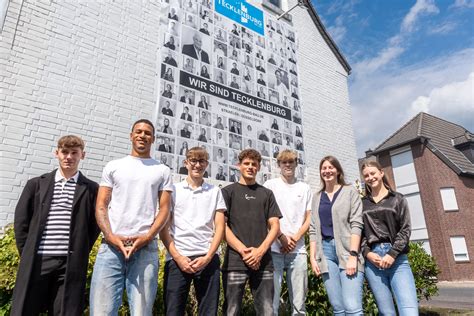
x=55 y=238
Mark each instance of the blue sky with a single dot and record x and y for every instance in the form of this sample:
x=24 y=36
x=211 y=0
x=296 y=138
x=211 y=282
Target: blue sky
x=406 y=57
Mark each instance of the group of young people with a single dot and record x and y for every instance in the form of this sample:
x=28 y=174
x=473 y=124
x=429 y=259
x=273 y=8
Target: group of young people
x=60 y=214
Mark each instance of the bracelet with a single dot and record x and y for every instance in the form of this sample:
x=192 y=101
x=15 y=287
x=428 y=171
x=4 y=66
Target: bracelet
x=279 y=236
x=354 y=253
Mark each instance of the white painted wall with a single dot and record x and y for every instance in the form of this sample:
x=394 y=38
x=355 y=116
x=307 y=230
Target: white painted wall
x=88 y=68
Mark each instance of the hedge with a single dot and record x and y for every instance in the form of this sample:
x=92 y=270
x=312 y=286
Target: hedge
x=423 y=265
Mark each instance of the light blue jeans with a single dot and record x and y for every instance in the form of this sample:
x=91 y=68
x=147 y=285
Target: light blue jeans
x=139 y=276
x=344 y=292
x=398 y=278
x=296 y=267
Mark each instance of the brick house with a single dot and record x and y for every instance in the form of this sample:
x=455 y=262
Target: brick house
x=430 y=160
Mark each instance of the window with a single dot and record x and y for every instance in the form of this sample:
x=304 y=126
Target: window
x=403 y=168
x=276 y=3
x=458 y=243
x=449 y=199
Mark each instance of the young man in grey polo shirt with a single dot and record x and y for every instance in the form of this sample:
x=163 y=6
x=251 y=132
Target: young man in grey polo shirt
x=192 y=237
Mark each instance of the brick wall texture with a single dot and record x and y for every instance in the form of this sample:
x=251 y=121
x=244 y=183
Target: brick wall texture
x=89 y=68
x=432 y=175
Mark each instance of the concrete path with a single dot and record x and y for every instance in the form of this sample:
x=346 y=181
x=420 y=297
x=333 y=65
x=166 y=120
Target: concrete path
x=456 y=295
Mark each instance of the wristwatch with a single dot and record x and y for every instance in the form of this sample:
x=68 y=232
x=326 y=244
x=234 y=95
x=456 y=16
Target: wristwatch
x=354 y=253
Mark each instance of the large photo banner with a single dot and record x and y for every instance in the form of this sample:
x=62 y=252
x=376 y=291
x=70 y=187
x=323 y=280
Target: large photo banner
x=228 y=81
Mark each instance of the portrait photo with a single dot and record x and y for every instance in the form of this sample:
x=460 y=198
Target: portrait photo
x=185 y=112
x=167 y=72
x=196 y=45
x=169 y=57
x=235 y=141
x=234 y=174
x=205 y=27
x=165 y=144
x=219 y=138
x=205 y=71
x=235 y=126
x=166 y=125
x=204 y=102
x=167 y=90
x=204 y=118
x=189 y=64
x=220 y=48
x=191 y=20
x=203 y=134
x=219 y=154
x=167 y=107
x=187 y=95
x=220 y=35
x=186 y=130
x=170 y=41
x=220 y=172
x=183 y=145
x=167 y=160
x=220 y=76
x=263 y=148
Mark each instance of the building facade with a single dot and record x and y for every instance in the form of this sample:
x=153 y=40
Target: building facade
x=93 y=68
x=430 y=161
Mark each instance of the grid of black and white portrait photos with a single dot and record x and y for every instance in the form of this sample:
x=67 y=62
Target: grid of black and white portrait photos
x=196 y=40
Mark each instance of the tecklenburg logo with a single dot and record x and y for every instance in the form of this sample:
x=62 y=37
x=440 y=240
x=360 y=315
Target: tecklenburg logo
x=243 y=13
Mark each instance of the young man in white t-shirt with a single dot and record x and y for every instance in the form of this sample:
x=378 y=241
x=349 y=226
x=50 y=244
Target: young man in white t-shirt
x=192 y=237
x=127 y=214
x=288 y=251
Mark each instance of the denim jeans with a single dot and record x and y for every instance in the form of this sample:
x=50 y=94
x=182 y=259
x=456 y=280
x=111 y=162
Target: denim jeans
x=296 y=267
x=138 y=274
x=261 y=286
x=206 y=285
x=344 y=292
x=398 y=278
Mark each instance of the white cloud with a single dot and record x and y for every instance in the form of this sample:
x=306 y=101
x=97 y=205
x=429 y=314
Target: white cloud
x=338 y=31
x=383 y=101
x=443 y=28
x=396 y=45
x=463 y=4
x=450 y=100
x=421 y=7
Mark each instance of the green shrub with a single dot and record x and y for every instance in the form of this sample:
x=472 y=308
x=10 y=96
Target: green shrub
x=423 y=265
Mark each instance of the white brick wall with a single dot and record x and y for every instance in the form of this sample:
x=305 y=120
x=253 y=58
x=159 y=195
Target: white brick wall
x=88 y=68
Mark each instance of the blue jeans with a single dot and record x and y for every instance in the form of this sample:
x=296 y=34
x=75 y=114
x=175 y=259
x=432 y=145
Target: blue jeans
x=398 y=278
x=344 y=292
x=139 y=276
x=296 y=267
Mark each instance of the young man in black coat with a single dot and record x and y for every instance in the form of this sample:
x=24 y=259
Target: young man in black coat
x=55 y=229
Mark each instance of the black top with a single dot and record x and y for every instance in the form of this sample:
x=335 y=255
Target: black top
x=325 y=214
x=386 y=221
x=248 y=210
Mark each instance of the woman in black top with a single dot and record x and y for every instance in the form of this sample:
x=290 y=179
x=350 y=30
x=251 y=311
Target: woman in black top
x=204 y=72
x=385 y=244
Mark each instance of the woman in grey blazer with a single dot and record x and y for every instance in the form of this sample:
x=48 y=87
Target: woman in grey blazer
x=335 y=233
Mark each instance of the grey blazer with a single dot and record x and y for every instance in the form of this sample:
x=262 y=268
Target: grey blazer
x=347 y=220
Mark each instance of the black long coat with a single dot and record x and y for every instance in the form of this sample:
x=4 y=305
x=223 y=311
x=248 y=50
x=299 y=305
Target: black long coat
x=30 y=219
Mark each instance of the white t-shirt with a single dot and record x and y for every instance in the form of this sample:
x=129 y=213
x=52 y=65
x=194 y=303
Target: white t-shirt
x=294 y=200
x=192 y=220
x=135 y=184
